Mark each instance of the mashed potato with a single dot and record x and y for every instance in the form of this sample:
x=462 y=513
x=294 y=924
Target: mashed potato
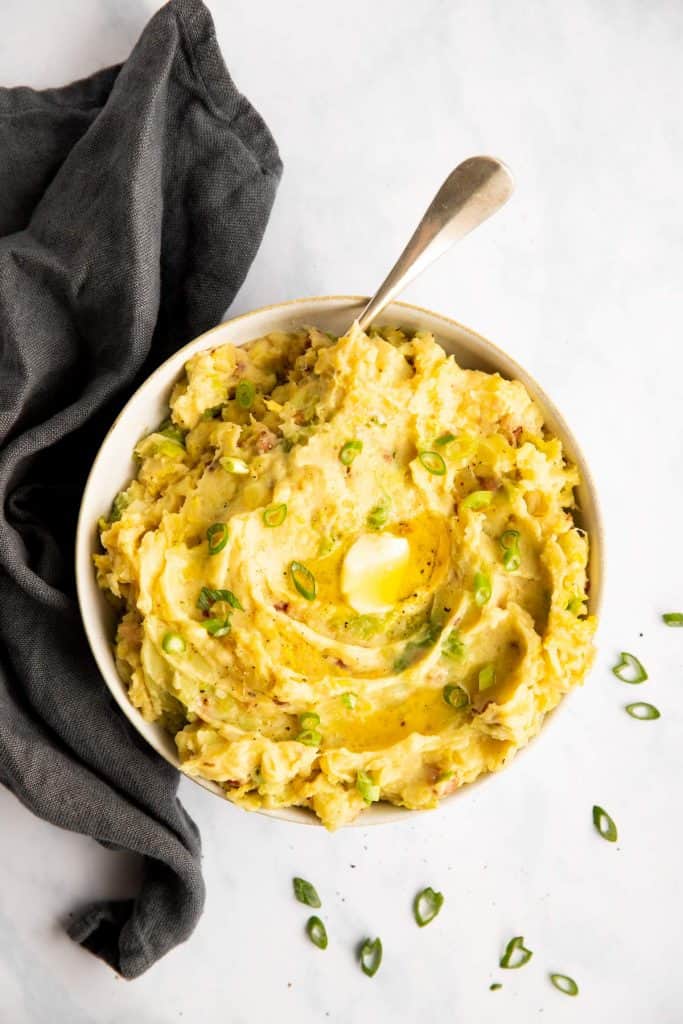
x=347 y=571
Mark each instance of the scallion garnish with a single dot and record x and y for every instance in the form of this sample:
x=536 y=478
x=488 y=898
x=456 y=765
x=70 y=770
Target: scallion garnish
x=237 y=467
x=349 y=700
x=673 y=618
x=217 y=627
x=173 y=643
x=275 y=515
x=209 y=597
x=604 y=824
x=629 y=670
x=172 y=432
x=244 y=394
x=217 y=536
x=509 y=542
x=444 y=439
x=642 y=711
x=453 y=647
x=563 y=983
x=455 y=696
x=306 y=893
x=349 y=451
x=370 y=956
x=309 y=737
x=432 y=462
x=309 y=720
x=516 y=954
x=118 y=505
x=482 y=588
x=378 y=516
x=303 y=579
x=477 y=499
x=427 y=905
x=487 y=677
x=316 y=932
x=367 y=787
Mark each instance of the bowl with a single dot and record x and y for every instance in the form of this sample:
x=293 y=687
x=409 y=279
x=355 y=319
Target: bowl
x=113 y=468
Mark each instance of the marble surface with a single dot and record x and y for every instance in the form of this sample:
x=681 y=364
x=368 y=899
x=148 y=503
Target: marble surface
x=579 y=279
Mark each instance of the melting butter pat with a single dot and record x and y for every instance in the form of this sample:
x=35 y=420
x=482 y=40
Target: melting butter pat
x=374 y=571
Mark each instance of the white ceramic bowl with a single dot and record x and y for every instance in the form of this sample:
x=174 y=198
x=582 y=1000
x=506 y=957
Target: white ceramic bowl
x=113 y=469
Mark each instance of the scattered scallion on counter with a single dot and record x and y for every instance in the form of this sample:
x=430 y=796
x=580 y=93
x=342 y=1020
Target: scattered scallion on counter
x=370 y=956
x=349 y=700
x=275 y=515
x=244 y=394
x=629 y=669
x=432 y=462
x=316 y=932
x=642 y=711
x=509 y=542
x=349 y=451
x=604 y=825
x=486 y=677
x=455 y=696
x=173 y=643
x=482 y=588
x=444 y=439
x=426 y=906
x=217 y=537
x=367 y=787
x=306 y=893
x=237 y=467
x=673 y=619
x=563 y=983
x=516 y=954
x=303 y=579
x=477 y=499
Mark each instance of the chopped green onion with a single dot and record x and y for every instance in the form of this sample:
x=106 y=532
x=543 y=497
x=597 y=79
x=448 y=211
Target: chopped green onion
x=303 y=579
x=604 y=824
x=563 y=983
x=482 y=588
x=173 y=449
x=172 y=432
x=209 y=597
x=120 y=502
x=509 y=542
x=212 y=412
x=309 y=720
x=217 y=536
x=367 y=787
x=349 y=700
x=310 y=737
x=642 y=711
x=495 y=986
x=306 y=893
x=432 y=462
x=427 y=905
x=487 y=677
x=673 y=618
x=370 y=956
x=173 y=643
x=629 y=670
x=516 y=954
x=349 y=451
x=237 y=467
x=316 y=932
x=378 y=516
x=217 y=627
x=244 y=394
x=444 y=439
x=456 y=697
x=453 y=647
x=477 y=500
x=275 y=515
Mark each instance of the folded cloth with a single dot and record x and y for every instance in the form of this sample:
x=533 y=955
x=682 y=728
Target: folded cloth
x=131 y=206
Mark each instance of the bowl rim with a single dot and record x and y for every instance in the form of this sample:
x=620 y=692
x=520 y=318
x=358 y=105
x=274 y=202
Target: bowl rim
x=390 y=813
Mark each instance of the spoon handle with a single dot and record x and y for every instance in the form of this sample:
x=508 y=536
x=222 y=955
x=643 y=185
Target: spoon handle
x=471 y=193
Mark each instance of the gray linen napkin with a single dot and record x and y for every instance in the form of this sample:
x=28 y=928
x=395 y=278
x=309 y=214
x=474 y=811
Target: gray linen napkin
x=131 y=206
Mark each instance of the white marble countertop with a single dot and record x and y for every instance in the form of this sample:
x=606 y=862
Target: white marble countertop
x=579 y=279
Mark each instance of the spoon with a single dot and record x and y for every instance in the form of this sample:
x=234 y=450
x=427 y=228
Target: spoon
x=475 y=190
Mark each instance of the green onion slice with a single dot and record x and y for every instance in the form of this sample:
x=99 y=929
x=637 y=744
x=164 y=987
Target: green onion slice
x=487 y=677
x=316 y=932
x=118 y=505
x=378 y=516
x=237 y=467
x=509 y=542
x=444 y=439
x=172 y=432
x=173 y=643
x=275 y=515
x=310 y=737
x=629 y=669
x=367 y=787
x=303 y=579
x=217 y=627
x=217 y=536
x=456 y=697
x=427 y=905
x=209 y=597
x=309 y=719
x=673 y=618
x=565 y=984
x=432 y=462
x=370 y=956
x=516 y=954
x=244 y=394
x=482 y=588
x=306 y=893
x=349 y=451
x=453 y=647
x=349 y=700
x=477 y=500
x=642 y=711
x=604 y=824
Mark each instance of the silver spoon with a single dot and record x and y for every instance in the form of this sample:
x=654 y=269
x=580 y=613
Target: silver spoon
x=469 y=195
